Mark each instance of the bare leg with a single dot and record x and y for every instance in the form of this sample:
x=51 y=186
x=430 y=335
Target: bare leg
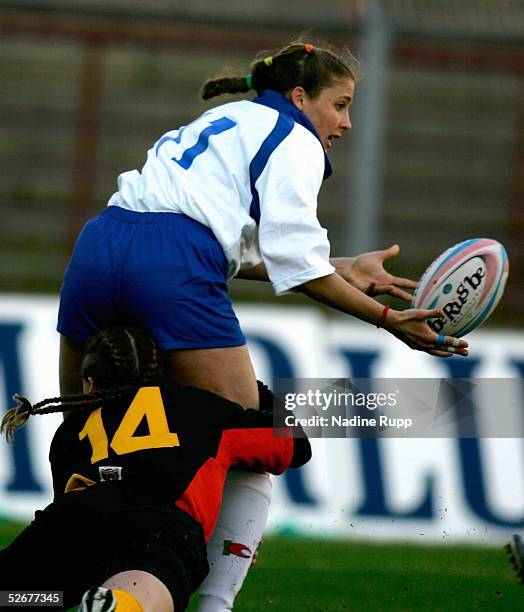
x=225 y=371
x=148 y=589
x=70 y=365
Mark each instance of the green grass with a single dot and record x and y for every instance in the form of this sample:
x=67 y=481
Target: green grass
x=8 y=531
x=318 y=575
x=326 y=575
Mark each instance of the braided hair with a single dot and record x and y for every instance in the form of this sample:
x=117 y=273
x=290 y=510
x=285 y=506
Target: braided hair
x=313 y=67
x=118 y=359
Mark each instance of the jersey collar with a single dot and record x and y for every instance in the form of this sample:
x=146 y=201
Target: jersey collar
x=280 y=103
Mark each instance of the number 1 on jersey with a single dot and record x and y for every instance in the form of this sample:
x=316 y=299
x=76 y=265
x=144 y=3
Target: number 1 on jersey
x=188 y=156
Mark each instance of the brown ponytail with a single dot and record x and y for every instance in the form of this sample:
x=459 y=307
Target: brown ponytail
x=314 y=67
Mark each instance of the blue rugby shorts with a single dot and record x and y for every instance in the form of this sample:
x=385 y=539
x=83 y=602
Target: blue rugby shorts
x=162 y=271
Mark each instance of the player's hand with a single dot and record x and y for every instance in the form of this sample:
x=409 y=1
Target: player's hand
x=366 y=272
x=265 y=396
x=411 y=327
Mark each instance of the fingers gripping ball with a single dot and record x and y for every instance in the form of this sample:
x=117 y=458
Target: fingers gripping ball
x=466 y=282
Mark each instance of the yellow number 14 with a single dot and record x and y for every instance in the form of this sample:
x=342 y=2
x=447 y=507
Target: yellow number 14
x=146 y=403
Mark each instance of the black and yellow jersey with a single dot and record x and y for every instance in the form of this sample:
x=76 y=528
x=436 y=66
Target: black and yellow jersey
x=175 y=443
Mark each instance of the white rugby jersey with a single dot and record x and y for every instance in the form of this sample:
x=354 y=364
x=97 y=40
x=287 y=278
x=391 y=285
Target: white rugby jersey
x=251 y=172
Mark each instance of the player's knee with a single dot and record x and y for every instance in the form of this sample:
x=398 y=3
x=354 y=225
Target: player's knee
x=101 y=599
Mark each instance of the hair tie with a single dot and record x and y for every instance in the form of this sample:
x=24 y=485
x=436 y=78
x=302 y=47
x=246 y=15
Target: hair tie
x=268 y=60
x=23 y=405
x=309 y=48
x=249 y=81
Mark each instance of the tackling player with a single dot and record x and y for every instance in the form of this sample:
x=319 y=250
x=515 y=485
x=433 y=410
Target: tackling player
x=138 y=471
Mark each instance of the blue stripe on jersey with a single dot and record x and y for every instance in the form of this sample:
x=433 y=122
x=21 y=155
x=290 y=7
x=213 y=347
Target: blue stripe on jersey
x=281 y=104
x=282 y=128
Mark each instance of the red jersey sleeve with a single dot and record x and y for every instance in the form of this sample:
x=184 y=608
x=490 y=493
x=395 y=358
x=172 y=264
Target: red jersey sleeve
x=250 y=443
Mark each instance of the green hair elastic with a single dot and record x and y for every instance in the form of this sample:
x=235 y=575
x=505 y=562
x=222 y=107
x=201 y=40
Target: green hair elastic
x=249 y=81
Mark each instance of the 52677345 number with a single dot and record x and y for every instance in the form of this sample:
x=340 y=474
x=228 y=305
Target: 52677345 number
x=31 y=598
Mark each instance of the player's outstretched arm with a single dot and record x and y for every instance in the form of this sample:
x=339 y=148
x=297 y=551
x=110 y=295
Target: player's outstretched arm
x=365 y=272
x=410 y=326
x=250 y=443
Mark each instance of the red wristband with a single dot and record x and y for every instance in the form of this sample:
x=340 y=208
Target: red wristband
x=383 y=316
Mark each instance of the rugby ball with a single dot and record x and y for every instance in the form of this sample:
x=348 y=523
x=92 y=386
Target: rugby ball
x=466 y=282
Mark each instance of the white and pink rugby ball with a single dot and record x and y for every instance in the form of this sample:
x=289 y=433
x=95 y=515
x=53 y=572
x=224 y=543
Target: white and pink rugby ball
x=466 y=282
